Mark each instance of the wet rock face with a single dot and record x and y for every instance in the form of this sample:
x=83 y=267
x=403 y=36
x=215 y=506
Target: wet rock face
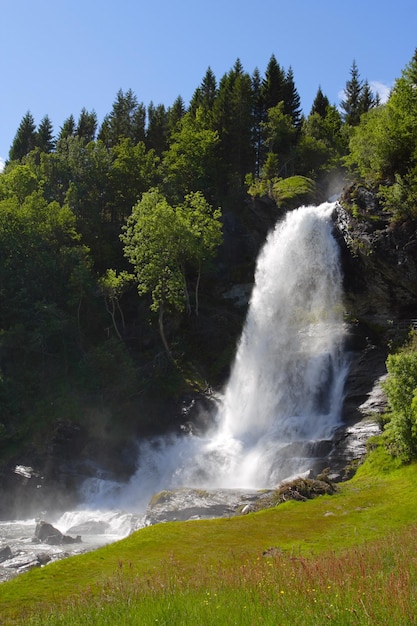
x=379 y=263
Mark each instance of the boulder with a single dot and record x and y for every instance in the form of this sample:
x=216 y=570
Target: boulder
x=46 y=533
x=5 y=553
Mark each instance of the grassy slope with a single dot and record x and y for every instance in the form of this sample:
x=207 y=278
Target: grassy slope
x=367 y=507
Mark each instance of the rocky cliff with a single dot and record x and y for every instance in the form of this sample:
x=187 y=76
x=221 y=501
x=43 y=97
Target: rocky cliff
x=379 y=260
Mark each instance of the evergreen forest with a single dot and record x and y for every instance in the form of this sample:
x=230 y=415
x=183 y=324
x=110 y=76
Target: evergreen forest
x=119 y=238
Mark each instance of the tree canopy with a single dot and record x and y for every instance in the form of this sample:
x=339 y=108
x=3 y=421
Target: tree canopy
x=161 y=240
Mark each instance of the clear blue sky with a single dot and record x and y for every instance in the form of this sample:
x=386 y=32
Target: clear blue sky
x=57 y=57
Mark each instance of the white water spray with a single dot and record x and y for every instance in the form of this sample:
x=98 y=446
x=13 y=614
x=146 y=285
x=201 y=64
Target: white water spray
x=286 y=386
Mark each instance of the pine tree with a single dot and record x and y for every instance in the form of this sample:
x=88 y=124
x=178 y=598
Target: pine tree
x=126 y=120
x=367 y=99
x=157 y=130
x=25 y=138
x=67 y=128
x=175 y=114
x=410 y=72
x=44 y=137
x=233 y=119
x=205 y=95
x=258 y=118
x=138 y=124
x=273 y=86
x=351 y=105
x=292 y=103
x=87 y=125
x=320 y=104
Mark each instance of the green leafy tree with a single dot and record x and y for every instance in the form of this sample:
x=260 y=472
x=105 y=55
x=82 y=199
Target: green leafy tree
x=132 y=171
x=160 y=240
x=40 y=252
x=190 y=162
x=321 y=144
x=401 y=390
x=112 y=286
x=204 y=229
x=383 y=147
x=280 y=137
x=153 y=244
x=88 y=167
x=372 y=153
x=18 y=181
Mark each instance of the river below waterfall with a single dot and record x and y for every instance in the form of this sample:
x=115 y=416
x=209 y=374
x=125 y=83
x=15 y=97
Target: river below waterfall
x=275 y=419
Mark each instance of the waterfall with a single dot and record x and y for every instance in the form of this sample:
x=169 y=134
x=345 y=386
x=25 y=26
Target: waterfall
x=285 y=391
x=286 y=387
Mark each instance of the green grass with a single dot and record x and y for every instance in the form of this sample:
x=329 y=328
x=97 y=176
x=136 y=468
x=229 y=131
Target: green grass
x=349 y=558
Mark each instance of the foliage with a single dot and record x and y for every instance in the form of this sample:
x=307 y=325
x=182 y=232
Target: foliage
x=39 y=298
x=280 y=138
x=358 y=98
x=321 y=144
x=383 y=147
x=160 y=239
x=233 y=119
x=125 y=121
x=112 y=286
x=285 y=191
x=25 y=139
x=401 y=390
x=189 y=163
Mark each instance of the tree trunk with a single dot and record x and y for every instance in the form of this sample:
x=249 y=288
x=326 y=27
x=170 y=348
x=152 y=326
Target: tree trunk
x=162 y=333
x=186 y=294
x=112 y=313
x=196 y=289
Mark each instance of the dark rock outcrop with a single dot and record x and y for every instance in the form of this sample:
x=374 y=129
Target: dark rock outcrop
x=46 y=533
x=379 y=260
x=5 y=553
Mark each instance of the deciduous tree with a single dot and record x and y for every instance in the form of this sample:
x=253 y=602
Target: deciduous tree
x=161 y=240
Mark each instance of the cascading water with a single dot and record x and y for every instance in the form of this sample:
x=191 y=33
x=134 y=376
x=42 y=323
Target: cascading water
x=286 y=386
x=284 y=395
